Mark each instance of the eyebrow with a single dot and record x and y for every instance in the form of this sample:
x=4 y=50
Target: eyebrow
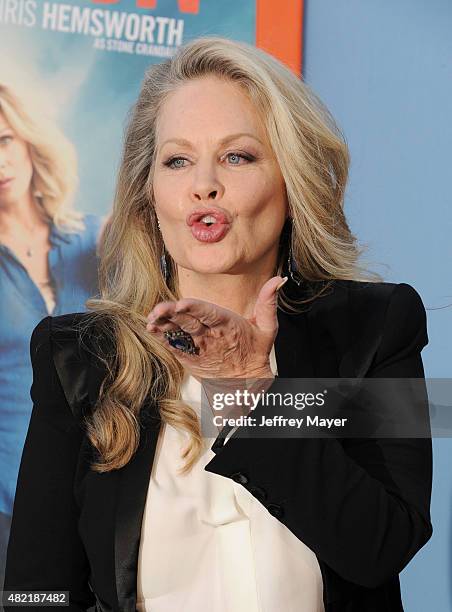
x=225 y=140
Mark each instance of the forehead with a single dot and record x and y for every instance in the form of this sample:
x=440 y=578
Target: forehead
x=208 y=105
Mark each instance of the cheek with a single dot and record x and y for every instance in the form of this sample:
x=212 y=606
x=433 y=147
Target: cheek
x=22 y=163
x=263 y=200
x=166 y=196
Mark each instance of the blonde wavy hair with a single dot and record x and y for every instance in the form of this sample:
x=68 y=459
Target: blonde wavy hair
x=54 y=160
x=314 y=161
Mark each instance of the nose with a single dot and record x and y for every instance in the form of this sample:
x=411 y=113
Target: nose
x=206 y=185
x=199 y=194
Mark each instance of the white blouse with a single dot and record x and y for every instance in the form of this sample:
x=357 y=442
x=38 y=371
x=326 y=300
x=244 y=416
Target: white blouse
x=207 y=544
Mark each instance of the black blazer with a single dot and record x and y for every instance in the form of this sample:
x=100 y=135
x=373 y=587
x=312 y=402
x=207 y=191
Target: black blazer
x=362 y=505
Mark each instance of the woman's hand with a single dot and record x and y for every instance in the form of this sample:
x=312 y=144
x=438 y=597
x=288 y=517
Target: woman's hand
x=230 y=346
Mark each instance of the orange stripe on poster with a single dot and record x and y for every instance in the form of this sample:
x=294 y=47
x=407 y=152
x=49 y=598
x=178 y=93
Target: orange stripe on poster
x=279 y=30
x=185 y=6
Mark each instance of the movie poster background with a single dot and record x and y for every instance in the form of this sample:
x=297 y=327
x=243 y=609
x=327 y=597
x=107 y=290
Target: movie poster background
x=81 y=63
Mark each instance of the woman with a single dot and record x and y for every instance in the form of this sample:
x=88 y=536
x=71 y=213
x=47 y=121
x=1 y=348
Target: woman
x=47 y=263
x=227 y=258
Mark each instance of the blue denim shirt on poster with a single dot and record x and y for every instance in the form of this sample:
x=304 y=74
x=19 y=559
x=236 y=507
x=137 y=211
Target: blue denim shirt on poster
x=73 y=266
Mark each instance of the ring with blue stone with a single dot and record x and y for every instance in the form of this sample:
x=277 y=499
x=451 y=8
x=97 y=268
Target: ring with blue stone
x=181 y=340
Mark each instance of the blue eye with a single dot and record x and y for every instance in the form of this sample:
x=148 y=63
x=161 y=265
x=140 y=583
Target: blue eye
x=173 y=161
x=238 y=156
x=170 y=162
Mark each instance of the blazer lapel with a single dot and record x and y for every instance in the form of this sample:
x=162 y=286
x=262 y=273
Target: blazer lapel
x=132 y=491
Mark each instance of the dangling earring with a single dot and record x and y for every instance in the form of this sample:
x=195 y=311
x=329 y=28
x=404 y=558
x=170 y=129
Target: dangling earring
x=163 y=262
x=292 y=268
x=164 y=266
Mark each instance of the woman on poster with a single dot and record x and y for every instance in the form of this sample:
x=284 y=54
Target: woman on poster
x=48 y=262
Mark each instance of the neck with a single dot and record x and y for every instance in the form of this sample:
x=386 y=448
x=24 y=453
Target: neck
x=237 y=292
x=23 y=212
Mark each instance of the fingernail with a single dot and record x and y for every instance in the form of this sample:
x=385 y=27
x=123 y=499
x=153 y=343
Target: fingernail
x=282 y=283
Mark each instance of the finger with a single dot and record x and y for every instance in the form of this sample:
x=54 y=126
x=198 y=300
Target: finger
x=161 y=311
x=161 y=326
x=207 y=313
x=188 y=323
x=177 y=313
x=164 y=316
x=265 y=315
x=160 y=323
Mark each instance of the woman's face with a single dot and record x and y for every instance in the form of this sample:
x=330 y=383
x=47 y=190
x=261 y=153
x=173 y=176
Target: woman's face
x=16 y=168
x=212 y=151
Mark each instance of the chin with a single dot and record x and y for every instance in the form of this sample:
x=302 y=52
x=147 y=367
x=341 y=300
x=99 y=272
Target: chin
x=210 y=265
x=213 y=269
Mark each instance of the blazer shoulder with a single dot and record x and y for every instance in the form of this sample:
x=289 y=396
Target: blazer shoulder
x=369 y=320
x=396 y=314
x=66 y=326
x=379 y=292
x=379 y=295
x=405 y=325
x=68 y=342
x=396 y=299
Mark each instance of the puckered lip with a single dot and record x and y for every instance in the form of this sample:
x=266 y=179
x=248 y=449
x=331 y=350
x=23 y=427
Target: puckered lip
x=5 y=180
x=221 y=215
